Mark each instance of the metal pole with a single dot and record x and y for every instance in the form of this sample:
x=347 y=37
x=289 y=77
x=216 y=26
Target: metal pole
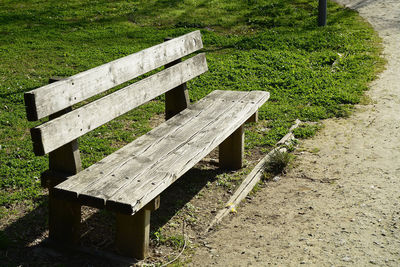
x=322 y=13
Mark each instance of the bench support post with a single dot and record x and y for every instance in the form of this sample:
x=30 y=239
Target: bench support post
x=253 y=118
x=231 y=150
x=133 y=231
x=176 y=99
x=64 y=220
x=64 y=216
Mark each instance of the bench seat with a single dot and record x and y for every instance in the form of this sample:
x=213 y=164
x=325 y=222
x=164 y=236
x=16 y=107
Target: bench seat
x=131 y=177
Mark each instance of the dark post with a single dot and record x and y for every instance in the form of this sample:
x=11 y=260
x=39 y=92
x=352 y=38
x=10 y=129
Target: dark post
x=322 y=13
x=64 y=216
x=176 y=99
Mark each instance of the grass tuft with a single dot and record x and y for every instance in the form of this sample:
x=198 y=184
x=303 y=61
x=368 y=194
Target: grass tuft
x=278 y=162
x=306 y=130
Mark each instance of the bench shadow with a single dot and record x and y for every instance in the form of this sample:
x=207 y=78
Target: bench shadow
x=24 y=242
x=180 y=193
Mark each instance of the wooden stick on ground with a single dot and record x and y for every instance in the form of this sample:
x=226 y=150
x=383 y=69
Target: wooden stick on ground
x=252 y=179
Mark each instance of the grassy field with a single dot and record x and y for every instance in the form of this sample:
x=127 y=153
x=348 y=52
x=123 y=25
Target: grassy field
x=312 y=72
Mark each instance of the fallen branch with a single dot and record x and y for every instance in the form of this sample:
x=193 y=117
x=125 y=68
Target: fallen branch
x=252 y=179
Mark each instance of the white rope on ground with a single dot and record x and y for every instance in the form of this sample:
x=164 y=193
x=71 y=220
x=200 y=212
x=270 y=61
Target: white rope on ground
x=183 y=249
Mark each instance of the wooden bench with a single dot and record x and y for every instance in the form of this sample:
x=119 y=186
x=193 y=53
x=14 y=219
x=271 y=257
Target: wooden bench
x=129 y=181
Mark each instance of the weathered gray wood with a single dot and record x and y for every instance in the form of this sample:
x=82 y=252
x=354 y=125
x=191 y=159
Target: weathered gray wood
x=231 y=150
x=130 y=180
x=64 y=217
x=49 y=179
x=66 y=159
x=154 y=204
x=133 y=231
x=132 y=234
x=100 y=190
x=176 y=99
x=55 y=133
x=92 y=187
x=101 y=172
x=104 y=186
x=132 y=196
x=51 y=98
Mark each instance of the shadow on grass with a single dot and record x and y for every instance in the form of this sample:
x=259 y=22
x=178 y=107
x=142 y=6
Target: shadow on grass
x=24 y=242
x=50 y=16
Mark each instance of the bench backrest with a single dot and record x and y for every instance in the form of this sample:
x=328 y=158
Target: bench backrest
x=60 y=96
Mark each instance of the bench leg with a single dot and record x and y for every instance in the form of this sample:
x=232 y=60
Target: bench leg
x=64 y=221
x=231 y=150
x=133 y=233
x=176 y=100
x=64 y=216
x=253 y=118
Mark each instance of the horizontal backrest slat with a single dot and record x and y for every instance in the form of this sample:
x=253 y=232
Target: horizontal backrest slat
x=57 y=132
x=54 y=97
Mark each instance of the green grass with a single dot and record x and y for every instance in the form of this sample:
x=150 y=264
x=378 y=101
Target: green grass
x=306 y=131
x=271 y=45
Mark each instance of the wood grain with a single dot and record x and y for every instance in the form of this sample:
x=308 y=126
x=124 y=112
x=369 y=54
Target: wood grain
x=55 y=133
x=64 y=216
x=132 y=197
x=51 y=98
x=121 y=157
x=132 y=171
x=231 y=150
x=176 y=99
x=132 y=235
x=141 y=175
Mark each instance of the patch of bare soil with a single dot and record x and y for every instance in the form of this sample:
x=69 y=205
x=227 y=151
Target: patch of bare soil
x=339 y=205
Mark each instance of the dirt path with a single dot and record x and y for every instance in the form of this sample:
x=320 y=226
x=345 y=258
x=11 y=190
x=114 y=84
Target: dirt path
x=340 y=204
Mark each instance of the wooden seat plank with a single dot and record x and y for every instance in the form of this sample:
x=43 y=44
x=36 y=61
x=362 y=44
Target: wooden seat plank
x=133 y=171
x=132 y=197
x=237 y=106
x=75 y=184
x=96 y=192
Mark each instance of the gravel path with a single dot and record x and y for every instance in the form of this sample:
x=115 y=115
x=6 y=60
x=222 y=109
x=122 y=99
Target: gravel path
x=339 y=205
